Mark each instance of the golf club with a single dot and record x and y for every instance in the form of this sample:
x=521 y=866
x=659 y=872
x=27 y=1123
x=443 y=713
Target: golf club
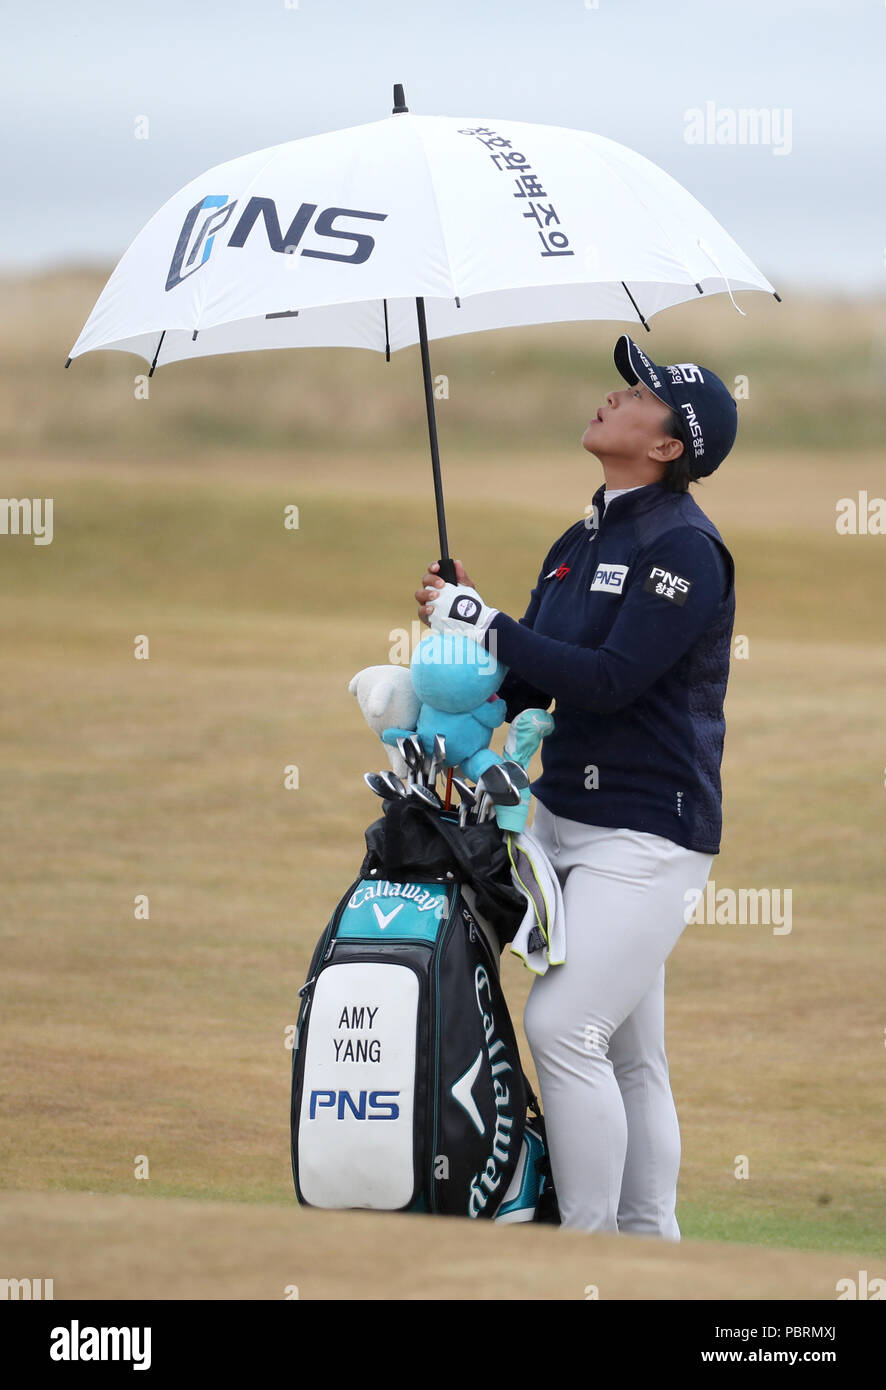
x=500 y=785
x=416 y=755
x=377 y=782
x=393 y=783
x=466 y=798
x=401 y=746
x=438 y=760
x=427 y=795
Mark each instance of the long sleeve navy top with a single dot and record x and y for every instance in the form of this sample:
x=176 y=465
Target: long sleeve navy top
x=629 y=630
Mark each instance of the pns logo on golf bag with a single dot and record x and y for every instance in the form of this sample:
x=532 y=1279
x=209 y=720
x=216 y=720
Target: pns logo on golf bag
x=609 y=579
x=670 y=586
x=369 y=1105
x=197 y=236
x=465 y=608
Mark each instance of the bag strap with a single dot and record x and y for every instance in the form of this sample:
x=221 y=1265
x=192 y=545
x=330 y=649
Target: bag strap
x=531 y=1099
x=393 y=838
x=548 y=1208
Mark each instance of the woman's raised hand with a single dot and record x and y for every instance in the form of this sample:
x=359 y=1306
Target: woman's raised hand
x=433 y=581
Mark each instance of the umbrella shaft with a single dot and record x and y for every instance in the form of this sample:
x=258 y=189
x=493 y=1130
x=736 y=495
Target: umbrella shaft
x=447 y=569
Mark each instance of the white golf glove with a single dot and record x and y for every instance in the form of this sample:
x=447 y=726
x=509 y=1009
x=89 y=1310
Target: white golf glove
x=460 y=610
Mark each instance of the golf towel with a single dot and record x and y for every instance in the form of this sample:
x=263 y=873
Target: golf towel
x=540 y=939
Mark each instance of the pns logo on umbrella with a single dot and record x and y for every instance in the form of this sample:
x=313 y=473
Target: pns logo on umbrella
x=198 y=234
x=212 y=213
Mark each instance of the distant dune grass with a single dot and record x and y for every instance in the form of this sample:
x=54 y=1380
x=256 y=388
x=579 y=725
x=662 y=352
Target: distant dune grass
x=815 y=374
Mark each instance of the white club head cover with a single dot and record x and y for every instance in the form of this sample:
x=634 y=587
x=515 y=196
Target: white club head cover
x=386 y=696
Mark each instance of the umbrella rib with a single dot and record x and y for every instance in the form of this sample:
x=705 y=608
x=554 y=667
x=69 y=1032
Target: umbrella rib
x=157 y=353
x=705 y=249
x=636 y=306
x=387 y=333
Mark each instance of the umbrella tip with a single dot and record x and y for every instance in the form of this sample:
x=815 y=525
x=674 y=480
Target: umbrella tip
x=777 y=297
x=68 y=363
x=399 y=100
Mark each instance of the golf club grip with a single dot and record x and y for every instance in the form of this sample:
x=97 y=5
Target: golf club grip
x=447 y=570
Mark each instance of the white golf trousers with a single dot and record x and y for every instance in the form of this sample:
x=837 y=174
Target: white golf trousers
x=595 y=1025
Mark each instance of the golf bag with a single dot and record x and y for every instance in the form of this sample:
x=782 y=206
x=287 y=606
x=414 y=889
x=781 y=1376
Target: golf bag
x=408 y=1093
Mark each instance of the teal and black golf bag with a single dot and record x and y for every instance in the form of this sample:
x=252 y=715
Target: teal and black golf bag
x=408 y=1093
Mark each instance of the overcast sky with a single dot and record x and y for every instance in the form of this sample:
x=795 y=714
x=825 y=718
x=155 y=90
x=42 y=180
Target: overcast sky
x=218 y=78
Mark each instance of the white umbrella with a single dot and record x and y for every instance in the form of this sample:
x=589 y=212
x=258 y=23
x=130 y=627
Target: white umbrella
x=408 y=229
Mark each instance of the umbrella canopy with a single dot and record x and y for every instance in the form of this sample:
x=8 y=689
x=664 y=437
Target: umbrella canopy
x=328 y=241
x=408 y=229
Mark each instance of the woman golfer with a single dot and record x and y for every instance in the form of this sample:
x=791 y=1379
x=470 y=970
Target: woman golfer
x=629 y=630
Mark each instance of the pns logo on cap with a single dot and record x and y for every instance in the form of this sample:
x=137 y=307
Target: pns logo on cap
x=685 y=371
x=693 y=427
x=683 y=374
x=650 y=367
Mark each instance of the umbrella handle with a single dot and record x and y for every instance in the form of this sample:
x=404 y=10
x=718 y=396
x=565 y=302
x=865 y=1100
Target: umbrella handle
x=447 y=570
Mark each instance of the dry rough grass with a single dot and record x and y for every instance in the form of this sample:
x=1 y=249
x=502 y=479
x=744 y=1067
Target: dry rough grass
x=171 y=1248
